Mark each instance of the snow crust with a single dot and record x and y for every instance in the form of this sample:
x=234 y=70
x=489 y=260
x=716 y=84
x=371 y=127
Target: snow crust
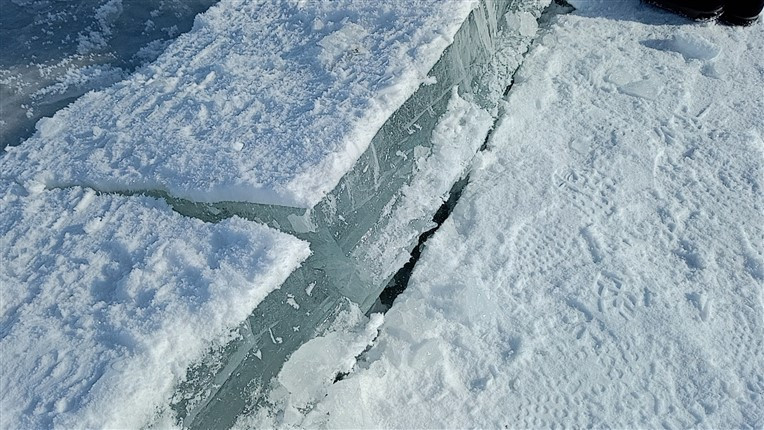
x=106 y=301
x=604 y=265
x=263 y=102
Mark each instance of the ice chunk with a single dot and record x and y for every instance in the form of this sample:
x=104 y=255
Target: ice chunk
x=106 y=301
x=646 y=88
x=315 y=366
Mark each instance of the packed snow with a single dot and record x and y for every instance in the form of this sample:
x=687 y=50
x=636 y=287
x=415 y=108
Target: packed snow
x=605 y=264
x=263 y=102
x=106 y=300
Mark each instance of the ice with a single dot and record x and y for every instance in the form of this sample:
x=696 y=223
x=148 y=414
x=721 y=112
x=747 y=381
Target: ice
x=648 y=89
x=107 y=300
x=54 y=51
x=315 y=366
x=456 y=138
x=412 y=88
x=363 y=231
x=602 y=268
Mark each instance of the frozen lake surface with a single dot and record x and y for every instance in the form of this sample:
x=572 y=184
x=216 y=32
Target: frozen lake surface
x=605 y=264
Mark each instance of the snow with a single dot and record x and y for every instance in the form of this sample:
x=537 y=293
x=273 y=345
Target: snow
x=106 y=300
x=604 y=266
x=262 y=102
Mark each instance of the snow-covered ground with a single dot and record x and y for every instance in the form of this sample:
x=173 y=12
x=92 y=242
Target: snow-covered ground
x=605 y=265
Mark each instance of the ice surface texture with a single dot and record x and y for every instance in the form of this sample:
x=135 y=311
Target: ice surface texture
x=178 y=123
x=107 y=300
x=263 y=101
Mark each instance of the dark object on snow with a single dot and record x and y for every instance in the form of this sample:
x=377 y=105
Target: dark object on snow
x=742 y=12
x=701 y=10
x=733 y=12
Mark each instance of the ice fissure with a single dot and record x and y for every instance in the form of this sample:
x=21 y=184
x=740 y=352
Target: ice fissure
x=363 y=232
x=399 y=281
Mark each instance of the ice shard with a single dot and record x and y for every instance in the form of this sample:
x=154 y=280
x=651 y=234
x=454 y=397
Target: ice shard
x=341 y=123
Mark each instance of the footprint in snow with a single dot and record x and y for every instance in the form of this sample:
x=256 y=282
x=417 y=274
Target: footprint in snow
x=702 y=303
x=691 y=47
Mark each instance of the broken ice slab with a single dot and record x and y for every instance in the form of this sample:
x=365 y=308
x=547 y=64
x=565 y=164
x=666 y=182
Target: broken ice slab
x=205 y=125
x=106 y=300
x=262 y=102
x=363 y=230
x=56 y=51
